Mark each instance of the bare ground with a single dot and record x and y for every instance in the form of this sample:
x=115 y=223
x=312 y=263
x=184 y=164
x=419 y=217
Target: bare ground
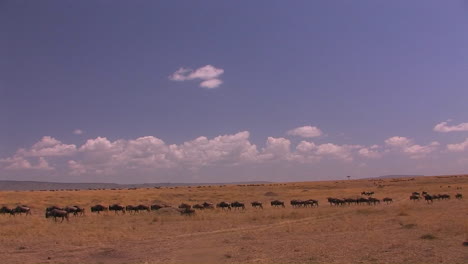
x=401 y=232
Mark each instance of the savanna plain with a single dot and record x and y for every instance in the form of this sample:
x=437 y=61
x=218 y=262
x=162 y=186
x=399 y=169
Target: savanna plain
x=400 y=232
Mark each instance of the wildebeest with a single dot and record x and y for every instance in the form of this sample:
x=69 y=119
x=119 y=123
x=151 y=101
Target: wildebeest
x=155 y=207
x=414 y=197
x=311 y=203
x=296 y=203
x=50 y=208
x=367 y=193
x=277 y=203
x=416 y=193
x=184 y=205
x=57 y=213
x=238 y=205
x=198 y=206
x=388 y=200
x=186 y=211
x=374 y=201
x=142 y=207
x=98 y=208
x=224 y=205
x=428 y=198
x=79 y=210
x=5 y=210
x=362 y=200
x=21 y=209
x=208 y=205
x=131 y=209
x=117 y=208
x=459 y=196
x=256 y=204
x=335 y=201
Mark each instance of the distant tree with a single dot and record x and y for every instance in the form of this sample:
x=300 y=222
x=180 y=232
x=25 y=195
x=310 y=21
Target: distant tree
x=348 y=177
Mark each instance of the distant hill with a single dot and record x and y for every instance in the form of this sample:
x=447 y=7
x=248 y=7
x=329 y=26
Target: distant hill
x=398 y=176
x=38 y=185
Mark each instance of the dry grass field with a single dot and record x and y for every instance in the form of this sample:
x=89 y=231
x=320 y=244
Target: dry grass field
x=401 y=232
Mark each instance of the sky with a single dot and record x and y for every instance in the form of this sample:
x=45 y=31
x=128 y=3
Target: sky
x=223 y=91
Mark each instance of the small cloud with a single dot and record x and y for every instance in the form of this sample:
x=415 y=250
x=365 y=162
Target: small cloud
x=209 y=74
x=305 y=132
x=407 y=146
x=210 y=84
x=397 y=141
x=462 y=146
x=445 y=128
x=78 y=131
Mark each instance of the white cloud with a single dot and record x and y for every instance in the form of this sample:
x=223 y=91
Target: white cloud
x=418 y=151
x=397 y=141
x=276 y=149
x=78 y=132
x=305 y=132
x=209 y=74
x=18 y=162
x=343 y=152
x=48 y=146
x=306 y=147
x=210 y=84
x=370 y=152
x=462 y=146
x=444 y=127
x=407 y=146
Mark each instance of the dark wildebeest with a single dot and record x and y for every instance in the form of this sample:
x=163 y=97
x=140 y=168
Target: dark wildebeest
x=155 y=207
x=117 y=208
x=350 y=201
x=21 y=209
x=459 y=196
x=388 y=200
x=444 y=196
x=50 y=208
x=428 y=198
x=186 y=211
x=71 y=209
x=362 y=200
x=208 y=205
x=374 y=201
x=6 y=210
x=416 y=193
x=142 y=207
x=131 y=209
x=277 y=203
x=57 y=213
x=224 y=205
x=256 y=204
x=98 y=208
x=198 y=206
x=184 y=205
x=238 y=205
x=296 y=203
x=311 y=203
x=79 y=210
x=414 y=197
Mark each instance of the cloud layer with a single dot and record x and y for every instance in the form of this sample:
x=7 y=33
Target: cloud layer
x=444 y=127
x=305 y=132
x=150 y=155
x=209 y=75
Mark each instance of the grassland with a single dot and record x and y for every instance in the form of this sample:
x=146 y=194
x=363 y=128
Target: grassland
x=401 y=232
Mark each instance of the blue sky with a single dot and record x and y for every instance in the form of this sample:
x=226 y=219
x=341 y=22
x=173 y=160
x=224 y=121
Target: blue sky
x=150 y=91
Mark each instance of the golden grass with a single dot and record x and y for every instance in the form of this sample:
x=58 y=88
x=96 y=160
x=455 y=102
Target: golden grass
x=400 y=232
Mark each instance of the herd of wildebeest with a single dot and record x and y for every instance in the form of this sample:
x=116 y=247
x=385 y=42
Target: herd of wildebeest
x=63 y=213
